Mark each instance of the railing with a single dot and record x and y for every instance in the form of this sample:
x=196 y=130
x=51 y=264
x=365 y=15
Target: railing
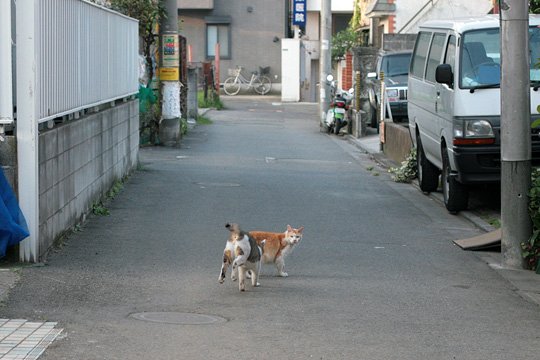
x=86 y=55
x=71 y=55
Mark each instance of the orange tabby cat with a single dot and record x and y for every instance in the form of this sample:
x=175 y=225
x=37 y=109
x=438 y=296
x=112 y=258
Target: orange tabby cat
x=278 y=245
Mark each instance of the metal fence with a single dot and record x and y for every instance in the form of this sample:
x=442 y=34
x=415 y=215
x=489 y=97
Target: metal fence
x=86 y=55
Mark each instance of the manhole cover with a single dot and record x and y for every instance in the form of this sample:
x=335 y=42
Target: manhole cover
x=178 y=318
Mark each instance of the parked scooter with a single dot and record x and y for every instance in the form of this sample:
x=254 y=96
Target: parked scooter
x=337 y=112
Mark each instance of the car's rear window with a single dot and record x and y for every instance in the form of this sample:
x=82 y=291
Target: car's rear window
x=395 y=65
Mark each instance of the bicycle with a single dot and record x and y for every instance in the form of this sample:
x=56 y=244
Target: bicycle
x=260 y=83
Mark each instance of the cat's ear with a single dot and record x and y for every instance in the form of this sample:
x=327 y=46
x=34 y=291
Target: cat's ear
x=300 y=229
x=289 y=228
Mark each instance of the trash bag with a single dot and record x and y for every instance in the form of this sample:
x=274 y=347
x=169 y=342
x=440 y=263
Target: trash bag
x=146 y=98
x=13 y=227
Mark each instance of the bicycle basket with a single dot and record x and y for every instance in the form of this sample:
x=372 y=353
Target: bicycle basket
x=233 y=72
x=264 y=70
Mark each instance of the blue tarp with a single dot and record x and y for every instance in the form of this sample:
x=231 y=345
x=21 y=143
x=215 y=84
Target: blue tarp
x=13 y=228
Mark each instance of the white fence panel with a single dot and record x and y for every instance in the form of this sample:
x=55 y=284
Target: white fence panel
x=86 y=56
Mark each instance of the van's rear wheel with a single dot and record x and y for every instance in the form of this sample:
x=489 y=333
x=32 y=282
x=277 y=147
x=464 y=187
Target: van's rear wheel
x=455 y=194
x=428 y=174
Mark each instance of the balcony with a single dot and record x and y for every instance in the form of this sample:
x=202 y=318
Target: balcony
x=195 y=4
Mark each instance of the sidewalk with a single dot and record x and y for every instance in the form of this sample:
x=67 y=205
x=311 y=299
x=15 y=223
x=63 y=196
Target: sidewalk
x=526 y=283
x=19 y=338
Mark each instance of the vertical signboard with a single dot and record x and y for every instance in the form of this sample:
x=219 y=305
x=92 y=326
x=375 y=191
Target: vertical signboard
x=171 y=58
x=299 y=13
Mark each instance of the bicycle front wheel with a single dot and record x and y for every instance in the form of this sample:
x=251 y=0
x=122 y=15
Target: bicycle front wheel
x=231 y=86
x=265 y=86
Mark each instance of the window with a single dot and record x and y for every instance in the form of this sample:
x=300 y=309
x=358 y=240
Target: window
x=217 y=34
x=396 y=65
x=534 y=49
x=218 y=30
x=420 y=53
x=480 y=58
x=450 y=57
x=435 y=53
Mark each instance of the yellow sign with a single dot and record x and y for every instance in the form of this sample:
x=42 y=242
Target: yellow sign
x=169 y=74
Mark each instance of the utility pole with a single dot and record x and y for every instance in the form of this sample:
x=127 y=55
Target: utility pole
x=515 y=131
x=169 y=74
x=325 y=64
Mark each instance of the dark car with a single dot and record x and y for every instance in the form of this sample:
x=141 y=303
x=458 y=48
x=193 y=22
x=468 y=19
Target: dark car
x=395 y=66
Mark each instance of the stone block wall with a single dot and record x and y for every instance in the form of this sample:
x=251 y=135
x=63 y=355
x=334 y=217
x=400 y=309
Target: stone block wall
x=79 y=161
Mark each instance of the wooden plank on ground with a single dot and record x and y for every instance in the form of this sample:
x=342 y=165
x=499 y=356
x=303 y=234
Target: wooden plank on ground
x=484 y=241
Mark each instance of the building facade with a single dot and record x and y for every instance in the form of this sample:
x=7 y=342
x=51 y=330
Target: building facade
x=404 y=16
x=249 y=33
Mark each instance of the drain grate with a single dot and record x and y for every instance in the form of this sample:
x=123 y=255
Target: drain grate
x=178 y=318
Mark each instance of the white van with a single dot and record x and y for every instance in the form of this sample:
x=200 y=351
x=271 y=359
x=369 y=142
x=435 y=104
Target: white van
x=454 y=104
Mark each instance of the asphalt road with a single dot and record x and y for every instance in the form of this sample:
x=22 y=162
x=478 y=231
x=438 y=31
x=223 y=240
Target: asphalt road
x=375 y=277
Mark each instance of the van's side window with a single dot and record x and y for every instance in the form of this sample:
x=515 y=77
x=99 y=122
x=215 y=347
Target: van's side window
x=418 y=62
x=450 y=56
x=435 y=55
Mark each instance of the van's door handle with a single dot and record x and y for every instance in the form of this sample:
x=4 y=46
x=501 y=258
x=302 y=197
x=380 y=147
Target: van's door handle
x=438 y=93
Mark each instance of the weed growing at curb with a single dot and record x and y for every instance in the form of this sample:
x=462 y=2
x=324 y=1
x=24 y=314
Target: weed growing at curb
x=183 y=126
x=100 y=210
x=201 y=120
x=407 y=171
x=212 y=101
x=531 y=247
x=115 y=190
x=496 y=223
x=140 y=166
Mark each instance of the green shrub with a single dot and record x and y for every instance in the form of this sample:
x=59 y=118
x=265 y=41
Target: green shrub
x=407 y=171
x=212 y=100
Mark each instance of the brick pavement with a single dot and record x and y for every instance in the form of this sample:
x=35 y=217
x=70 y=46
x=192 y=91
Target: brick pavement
x=21 y=339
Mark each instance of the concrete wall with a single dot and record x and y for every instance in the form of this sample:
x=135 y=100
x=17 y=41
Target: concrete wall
x=79 y=161
x=398 y=42
x=398 y=141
